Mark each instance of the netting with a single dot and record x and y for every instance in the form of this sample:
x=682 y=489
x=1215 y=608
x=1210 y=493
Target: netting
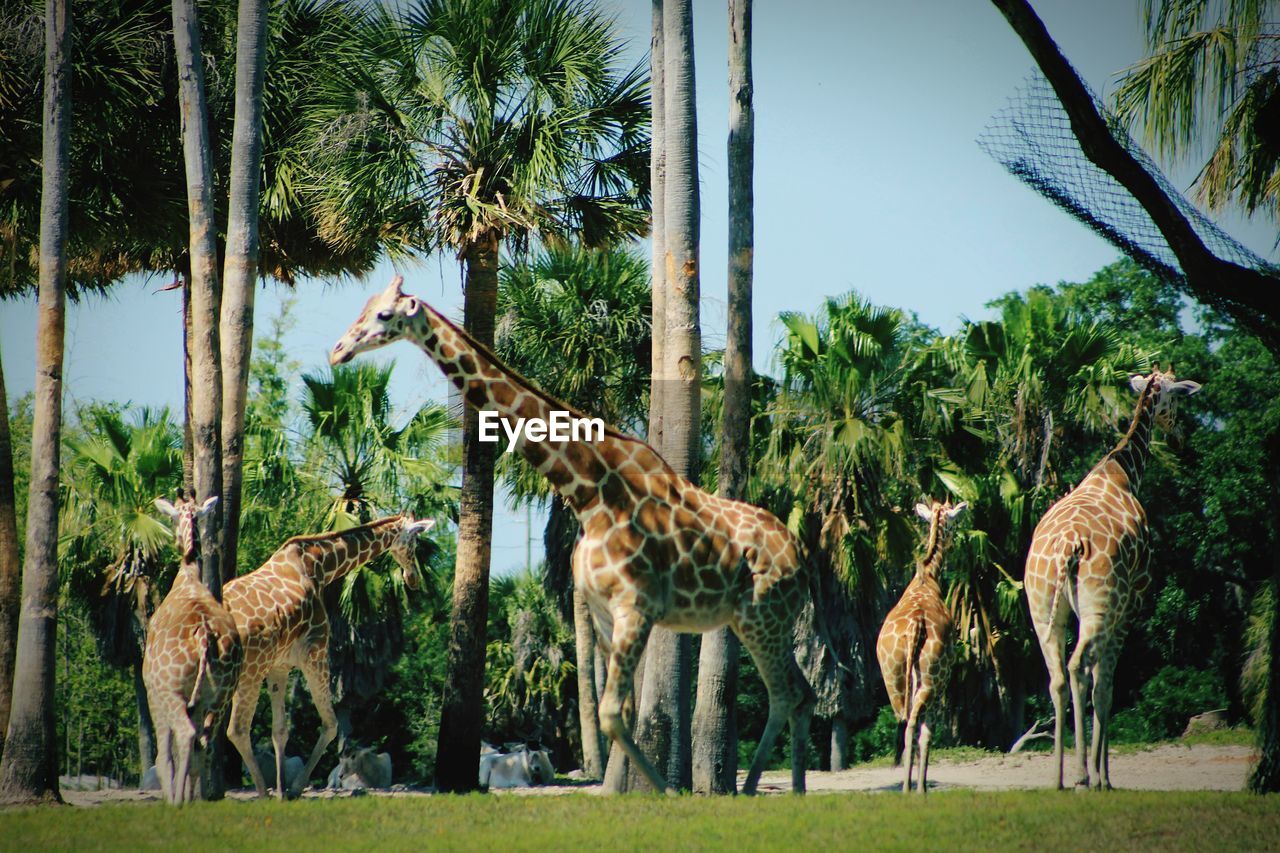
x=1032 y=138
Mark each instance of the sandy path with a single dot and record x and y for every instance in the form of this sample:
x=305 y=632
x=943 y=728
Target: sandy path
x=1170 y=767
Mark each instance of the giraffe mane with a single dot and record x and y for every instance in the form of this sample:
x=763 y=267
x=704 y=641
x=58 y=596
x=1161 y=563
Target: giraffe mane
x=1133 y=423
x=527 y=384
x=339 y=534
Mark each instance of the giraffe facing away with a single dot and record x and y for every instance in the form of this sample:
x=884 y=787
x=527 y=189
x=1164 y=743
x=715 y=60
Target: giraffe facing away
x=191 y=662
x=1090 y=554
x=655 y=549
x=914 y=647
x=280 y=613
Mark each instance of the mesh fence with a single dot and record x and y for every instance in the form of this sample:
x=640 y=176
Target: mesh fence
x=1032 y=138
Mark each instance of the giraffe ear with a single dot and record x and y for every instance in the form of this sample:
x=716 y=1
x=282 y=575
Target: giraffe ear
x=955 y=511
x=924 y=511
x=1186 y=388
x=166 y=507
x=1139 y=383
x=206 y=507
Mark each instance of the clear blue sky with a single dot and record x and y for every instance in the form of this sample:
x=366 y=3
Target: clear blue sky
x=867 y=178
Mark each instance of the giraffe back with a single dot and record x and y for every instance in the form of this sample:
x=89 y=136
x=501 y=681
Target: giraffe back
x=193 y=648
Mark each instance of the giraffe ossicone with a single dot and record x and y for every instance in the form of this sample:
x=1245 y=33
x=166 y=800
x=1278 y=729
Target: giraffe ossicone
x=191 y=662
x=655 y=549
x=1090 y=555
x=914 y=648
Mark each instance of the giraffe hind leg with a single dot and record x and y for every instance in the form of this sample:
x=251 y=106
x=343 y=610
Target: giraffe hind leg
x=243 y=705
x=1080 y=669
x=791 y=699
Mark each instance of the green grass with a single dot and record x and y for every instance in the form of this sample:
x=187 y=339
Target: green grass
x=947 y=819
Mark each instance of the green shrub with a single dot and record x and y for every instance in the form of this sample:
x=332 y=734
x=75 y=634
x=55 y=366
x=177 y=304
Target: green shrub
x=1167 y=701
x=876 y=740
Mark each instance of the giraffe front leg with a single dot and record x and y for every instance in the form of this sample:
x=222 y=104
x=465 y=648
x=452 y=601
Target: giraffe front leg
x=316 y=672
x=243 y=706
x=630 y=633
x=1055 y=661
x=277 y=681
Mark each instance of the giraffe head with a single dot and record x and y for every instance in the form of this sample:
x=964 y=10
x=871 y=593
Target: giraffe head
x=186 y=515
x=1166 y=390
x=402 y=549
x=941 y=518
x=384 y=320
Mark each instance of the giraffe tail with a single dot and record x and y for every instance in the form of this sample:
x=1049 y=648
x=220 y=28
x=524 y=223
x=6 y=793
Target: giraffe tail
x=1067 y=570
x=202 y=672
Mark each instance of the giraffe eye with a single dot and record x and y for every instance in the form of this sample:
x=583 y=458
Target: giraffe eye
x=384 y=315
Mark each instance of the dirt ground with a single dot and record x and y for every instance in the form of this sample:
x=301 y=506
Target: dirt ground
x=1169 y=767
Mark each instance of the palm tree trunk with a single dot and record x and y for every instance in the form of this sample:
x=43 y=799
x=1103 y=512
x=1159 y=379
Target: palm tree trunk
x=618 y=769
x=593 y=742
x=715 y=730
x=206 y=367
x=10 y=565
x=462 y=714
x=240 y=267
x=662 y=723
x=29 y=769
x=188 y=443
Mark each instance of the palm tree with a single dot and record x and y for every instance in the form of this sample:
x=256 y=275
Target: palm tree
x=839 y=460
x=715 y=735
x=574 y=321
x=117 y=553
x=29 y=767
x=364 y=465
x=523 y=123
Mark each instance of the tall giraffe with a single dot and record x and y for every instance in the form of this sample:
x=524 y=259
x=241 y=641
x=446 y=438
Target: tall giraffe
x=191 y=661
x=1090 y=554
x=914 y=647
x=279 y=610
x=655 y=549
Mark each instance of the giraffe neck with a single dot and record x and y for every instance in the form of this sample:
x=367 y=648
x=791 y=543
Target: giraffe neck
x=1133 y=450
x=934 y=549
x=345 y=550
x=575 y=466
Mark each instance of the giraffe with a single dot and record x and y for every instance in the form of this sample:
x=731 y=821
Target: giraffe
x=279 y=611
x=191 y=661
x=1090 y=554
x=654 y=550
x=914 y=647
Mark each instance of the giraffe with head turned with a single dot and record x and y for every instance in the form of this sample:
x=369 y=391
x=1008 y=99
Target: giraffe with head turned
x=655 y=549
x=914 y=647
x=191 y=661
x=1090 y=554
x=280 y=613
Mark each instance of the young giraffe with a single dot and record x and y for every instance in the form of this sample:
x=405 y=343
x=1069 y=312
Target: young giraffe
x=279 y=610
x=1090 y=554
x=191 y=662
x=914 y=647
x=655 y=549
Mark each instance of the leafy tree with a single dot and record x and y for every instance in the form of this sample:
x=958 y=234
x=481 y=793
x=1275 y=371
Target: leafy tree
x=521 y=122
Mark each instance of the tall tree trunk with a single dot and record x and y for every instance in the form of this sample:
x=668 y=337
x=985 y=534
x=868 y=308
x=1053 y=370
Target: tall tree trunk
x=462 y=714
x=618 y=769
x=715 y=729
x=206 y=366
x=10 y=566
x=240 y=267
x=188 y=443
x=29 y=768
x=662 y=724
x=593 y=742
